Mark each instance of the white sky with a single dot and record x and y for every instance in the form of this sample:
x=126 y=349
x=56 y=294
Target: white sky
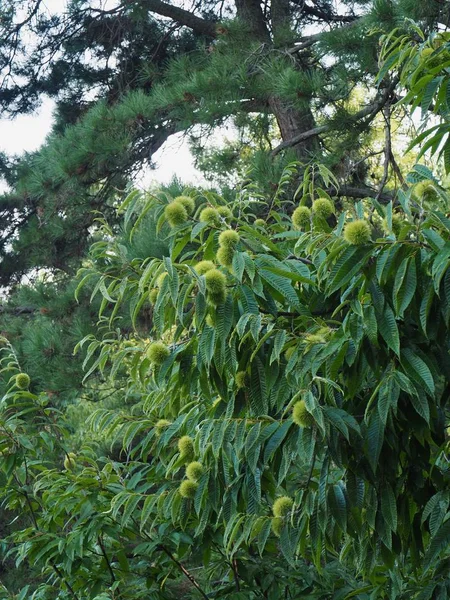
x=28 y=132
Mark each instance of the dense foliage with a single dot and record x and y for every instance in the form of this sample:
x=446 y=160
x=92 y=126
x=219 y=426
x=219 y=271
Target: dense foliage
x=286 y=408
x=127 y=75
x=241 y=394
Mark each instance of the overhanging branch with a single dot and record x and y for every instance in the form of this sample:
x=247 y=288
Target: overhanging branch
x=307 y=41
x=322 y=14
x=182 y=16
x=360 y=192
x=368 y=113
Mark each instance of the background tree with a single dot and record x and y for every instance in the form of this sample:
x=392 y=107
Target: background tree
x=128 y=76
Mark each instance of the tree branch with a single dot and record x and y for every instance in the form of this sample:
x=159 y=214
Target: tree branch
x=301 y=137
x=182 y=16
x=105 y=556
x=183 y=570
x=370 y=111
x=360 y=192
x=387 y=149
x=396 y=169
x=323 y=15
x=307 y=41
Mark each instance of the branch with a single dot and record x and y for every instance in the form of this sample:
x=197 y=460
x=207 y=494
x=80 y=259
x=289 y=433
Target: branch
x=360 y=192
x=301 y=137
x=397 y=170
x=369 y=111
x=105 y=556
x=183 y=570
x=329 y=17
x=17 y=310
x=182 y=16
x=387 y=149
x=18 y=26
x=307 y=41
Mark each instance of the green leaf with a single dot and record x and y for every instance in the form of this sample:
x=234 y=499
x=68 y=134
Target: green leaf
x=258 y=389
x=338 y=505
x=278 y=344
x=387 y=326
x=439 y=543
x=282 y=285
x=420 y=404
x=428 y=94
x=263 y=536
x=387 y=397
x=207 y=344
x=275 y=441
x=375 y=439
x=404 y=286
x=418 y=370
x=238 y=264
x=389 y=506
x=347 y=266
x=425 y=306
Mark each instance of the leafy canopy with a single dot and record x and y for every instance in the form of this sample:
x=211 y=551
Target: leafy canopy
x=356 y=331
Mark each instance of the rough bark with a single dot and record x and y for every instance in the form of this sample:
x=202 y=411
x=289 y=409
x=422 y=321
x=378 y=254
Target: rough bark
x=290 y=120
x=280 y=18
x=292 y=124
x=368 y=113
x=250 y=13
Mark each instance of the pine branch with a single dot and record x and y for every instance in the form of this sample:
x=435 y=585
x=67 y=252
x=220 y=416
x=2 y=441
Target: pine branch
x=323 y=15
x=369 y=112
x=310 y=40
x=17 y=310
x=182 y=16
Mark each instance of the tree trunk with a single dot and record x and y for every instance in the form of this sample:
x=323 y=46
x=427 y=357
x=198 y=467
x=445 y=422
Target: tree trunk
x=291 y=122
x=250 y=13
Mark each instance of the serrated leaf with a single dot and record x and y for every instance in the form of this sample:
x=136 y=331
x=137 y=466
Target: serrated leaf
x=275 y=441
x=282 y=285
x=417 y=370
x=258 y=389
x=389 y=507
x=278 y=344
x=375 y=439
x=405 y=286
x=338 y=506
x=440 y=542
x=387 y=326
x=425 y=306
x=347 y=266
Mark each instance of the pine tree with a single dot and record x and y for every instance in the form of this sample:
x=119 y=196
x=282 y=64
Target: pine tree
x=155 y=69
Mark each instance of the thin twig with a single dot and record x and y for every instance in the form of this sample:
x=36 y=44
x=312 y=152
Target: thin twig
x=105 y=556
x=396 y=169
x=387 y=149
x=236 y=574
x=183 y=570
